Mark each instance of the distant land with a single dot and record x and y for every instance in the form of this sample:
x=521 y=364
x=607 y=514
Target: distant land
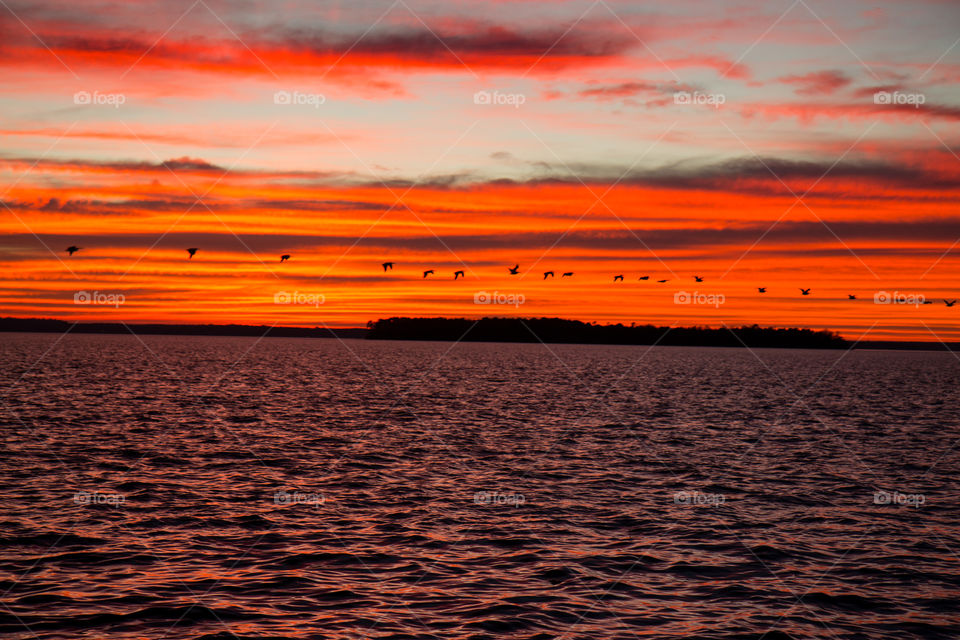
x=557 y=330
x=45 y=325
x=549 y=330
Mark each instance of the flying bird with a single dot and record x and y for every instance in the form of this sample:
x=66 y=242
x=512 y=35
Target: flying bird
x=72 y=249
x=644 y=277
x=662 y=281
x=284 y=257
x=949 y=303
x=762 y=289
x=928 y=302
x=387 y=265
x=615 y=278
x=192 y=251
x=428 y=272
x=567 y=273
x=698 y=278
x=458 y=274
x=514 y=270
x=547 y=273
x=805 y=292
x=850 y=296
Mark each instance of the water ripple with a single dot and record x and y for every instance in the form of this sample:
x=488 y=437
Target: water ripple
x=310 y=488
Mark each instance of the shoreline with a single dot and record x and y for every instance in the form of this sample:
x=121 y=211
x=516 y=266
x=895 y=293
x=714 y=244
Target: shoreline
x=496 y=330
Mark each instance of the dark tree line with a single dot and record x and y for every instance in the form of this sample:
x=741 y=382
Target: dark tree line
x=557 y=330
x=553 y=330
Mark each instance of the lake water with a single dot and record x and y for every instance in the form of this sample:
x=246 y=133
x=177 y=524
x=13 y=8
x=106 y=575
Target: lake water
x=217 y=488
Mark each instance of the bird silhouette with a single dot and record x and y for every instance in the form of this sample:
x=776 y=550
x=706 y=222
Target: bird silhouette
x=72 y=249
x=662 y=281
x=644 y=277
x=192 y=251
x=458 y=274
x=387 y=265
x=698 y=278
x=567 y=273
x=547 y=273
x=850 y=296
x=284 y=257
x=428 y=272
x=928 y=302
x=615 y=278
x=805 y=292
x=949 y=303
x=514 y=270
x=762 y=289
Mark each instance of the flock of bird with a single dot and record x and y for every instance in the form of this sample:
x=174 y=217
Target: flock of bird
x=515 y=270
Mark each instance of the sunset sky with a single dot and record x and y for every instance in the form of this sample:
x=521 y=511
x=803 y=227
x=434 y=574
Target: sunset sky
x=818 y=148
